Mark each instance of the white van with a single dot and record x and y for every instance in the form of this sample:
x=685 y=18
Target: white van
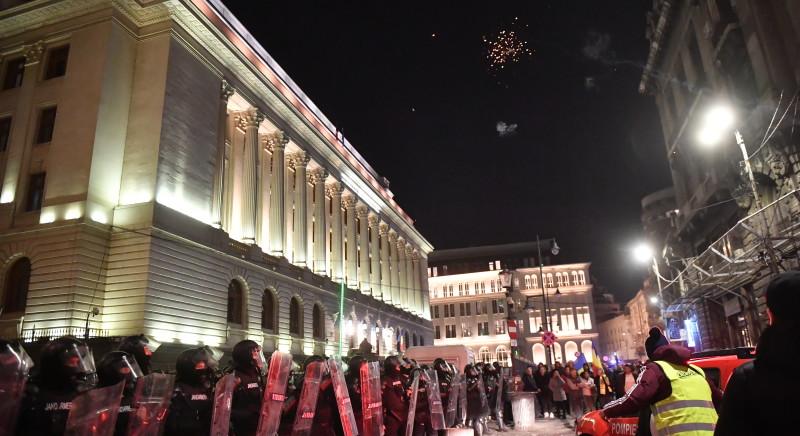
x=458 y=355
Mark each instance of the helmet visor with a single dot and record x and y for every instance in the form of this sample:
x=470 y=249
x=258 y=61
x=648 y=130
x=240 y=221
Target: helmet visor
x=150 y=345
x=79 y=359
x=213 y=355
x=14 y=360
x=130 y=369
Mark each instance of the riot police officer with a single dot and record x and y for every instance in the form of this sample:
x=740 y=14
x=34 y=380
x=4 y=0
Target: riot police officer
x=66 y=368
x=353 y=379
x=395 y=398
x=115 y=367
x=326 y=418
x=192 y=403
x=248 y=367
x=445 y=378
x=494 y=387
x=141 y=348
x=477 y=407
x=422 y=415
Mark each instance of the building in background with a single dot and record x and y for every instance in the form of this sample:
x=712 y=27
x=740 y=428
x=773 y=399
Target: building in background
x=470 y=306
x=741 y=55
x=160 y=167
x=616 y=342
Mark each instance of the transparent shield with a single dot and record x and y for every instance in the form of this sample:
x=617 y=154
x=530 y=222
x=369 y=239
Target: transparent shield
x=223 y=396
x=462 y=399
x=95 y=412
x=307 y=405
x=371 y=401
x=275 y=393
x=482 y=392
x=452 y=402
x=412 y=404
x=150 y=404
x=498 y=406
x=14 y=367
x=342 y=398
x=435 y=400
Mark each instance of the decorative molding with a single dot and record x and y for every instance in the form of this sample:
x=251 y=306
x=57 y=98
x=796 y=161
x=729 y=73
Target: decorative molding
x=383 y=228
x=226 y=90
x=334 y=189
x=252 y=118
x=317 y=175
x=276 y=139
x=33 y=53
x=362 y=211
x=298 y=159
x=373 y=220
x=349 y=202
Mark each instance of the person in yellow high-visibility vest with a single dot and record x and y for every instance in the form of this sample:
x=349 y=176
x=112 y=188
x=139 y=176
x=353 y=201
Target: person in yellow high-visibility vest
x=677 y=394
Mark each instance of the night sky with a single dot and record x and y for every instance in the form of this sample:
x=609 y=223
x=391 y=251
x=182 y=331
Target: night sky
x=410 y=86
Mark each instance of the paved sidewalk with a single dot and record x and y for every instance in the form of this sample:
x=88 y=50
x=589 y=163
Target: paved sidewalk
x=543 y=427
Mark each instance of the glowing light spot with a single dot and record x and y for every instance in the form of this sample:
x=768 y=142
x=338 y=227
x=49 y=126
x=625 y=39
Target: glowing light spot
x=184 y=206
x=99 y=216
x=163 y=336
x=284 y=344
x=47 y=217
x=8 y=195
x=187 y=338
x=73 y=213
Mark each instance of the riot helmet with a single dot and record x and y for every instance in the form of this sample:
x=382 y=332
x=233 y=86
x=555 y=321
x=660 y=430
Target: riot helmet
x=67 y=363
x=247 y=356
x=141 y=348
x=197 y=367
x=118 y=366
x=392 y=366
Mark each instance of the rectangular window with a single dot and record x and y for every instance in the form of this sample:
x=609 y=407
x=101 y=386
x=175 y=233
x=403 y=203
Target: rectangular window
x=56 y=62
x=461 y=309
x=446 y=311
x=535 y=320
x=35 y=192
x=465 y=330
x=491 y=266
x=494 y=306
x=452 y=310
x=584 y=318
x=435 y=311
x=500 y=327
x=469 y=308
x=5 y=132
x=450 y=331
x=15 y=71
x=567 y=319
x=501 y=308
x=47 y=121
x=483 y=328
x=437 y=332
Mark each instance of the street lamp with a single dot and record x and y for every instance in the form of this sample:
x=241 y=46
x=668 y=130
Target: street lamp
x=718 y=121
x=643 y=253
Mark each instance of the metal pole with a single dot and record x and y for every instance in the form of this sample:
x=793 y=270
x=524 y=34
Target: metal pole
x=773 y=267
x=549 y=356
x=660 y=291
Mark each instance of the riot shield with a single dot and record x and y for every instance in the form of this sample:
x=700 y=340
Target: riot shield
x=223 y=396
x=462 y=399
x=498 y=405
x=275 y=393
x=95 y=412
x=307 y=405
x=371 y=401
x=452 y=401
x=435 y=400
x=482 y=392
x=342 y=399
x=14 y=367
x=150 y=404
x=412 y=405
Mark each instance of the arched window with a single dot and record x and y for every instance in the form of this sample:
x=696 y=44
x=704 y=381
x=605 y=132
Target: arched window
x=539 y=354
x=268 y=311
x=557 y=352
x=586 y=347
x=503 y=356
x=559 y=280
x=484 y=355
x=295 y=317
x=565 y=277
x=549 y=280
x=414 y=339
x=527 y=282
x=318 y=328
x=534 y=281
x=571 y=349
x=574 y=277
x=15 y=289
x=581 y=278
x=235 y=302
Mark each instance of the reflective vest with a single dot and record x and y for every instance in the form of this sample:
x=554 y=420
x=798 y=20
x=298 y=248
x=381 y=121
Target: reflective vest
x=688 y=411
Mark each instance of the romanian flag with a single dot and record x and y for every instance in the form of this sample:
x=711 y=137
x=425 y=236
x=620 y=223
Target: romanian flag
x=596 y=363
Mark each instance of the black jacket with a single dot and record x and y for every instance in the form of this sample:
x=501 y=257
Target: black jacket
x=529 y=383
x=760 y=397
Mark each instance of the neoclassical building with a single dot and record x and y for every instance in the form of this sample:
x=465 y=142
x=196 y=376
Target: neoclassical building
x=162 y=174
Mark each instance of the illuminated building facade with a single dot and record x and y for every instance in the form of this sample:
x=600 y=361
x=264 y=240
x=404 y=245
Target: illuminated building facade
x=157 y=164
x=470 y=307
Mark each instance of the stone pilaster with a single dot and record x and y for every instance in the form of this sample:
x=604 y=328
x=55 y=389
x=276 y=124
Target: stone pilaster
x=351 y=273
x=363 y=248
x=299 y=161
x=409 y=270
x=386 y=277
x=416 y=288
x=426 y=297
x=320 y=261
x=251 y=120
x=337 y=251
x=402 y=283
x=394 y=264
x=374 y=257
x=217 y=202
x=277 y=214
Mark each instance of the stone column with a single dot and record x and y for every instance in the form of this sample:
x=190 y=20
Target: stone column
x=317 y=177
x=351 y=273
x=337 y=251
x=394 y=264
x=401 y=272
x=299 y=161
x=386 y=278
x=363 y=248
x=409 y=270
x=374 y=257
x=426 y=296
x=251 y=120
x=277 y=197
x=416 y=288
x=219 y=164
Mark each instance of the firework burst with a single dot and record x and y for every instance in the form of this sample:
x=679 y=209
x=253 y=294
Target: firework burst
x=504 y=49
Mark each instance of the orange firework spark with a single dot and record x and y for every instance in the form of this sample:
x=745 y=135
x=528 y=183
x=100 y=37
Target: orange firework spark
x=505 y=48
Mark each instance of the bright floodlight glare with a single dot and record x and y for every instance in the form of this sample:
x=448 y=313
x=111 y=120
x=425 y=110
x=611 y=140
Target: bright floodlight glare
x=718 y=120
x=654 y=300
x=643 y=253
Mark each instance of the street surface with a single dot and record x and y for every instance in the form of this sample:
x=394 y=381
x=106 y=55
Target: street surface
x=543 y=427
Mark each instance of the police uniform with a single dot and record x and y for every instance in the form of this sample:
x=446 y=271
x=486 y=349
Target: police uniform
x=395 y=404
